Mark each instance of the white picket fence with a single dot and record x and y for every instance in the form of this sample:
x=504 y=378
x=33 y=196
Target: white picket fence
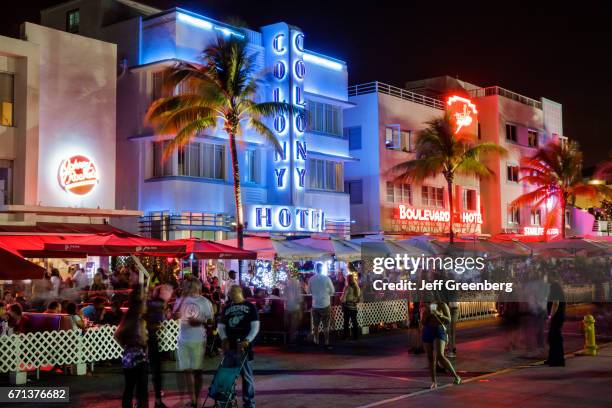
x=20 y=353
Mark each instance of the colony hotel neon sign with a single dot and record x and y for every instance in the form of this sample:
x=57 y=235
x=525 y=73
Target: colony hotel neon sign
x=463 y=111
x=285 y=218
x=78 y=175
x=425 y=214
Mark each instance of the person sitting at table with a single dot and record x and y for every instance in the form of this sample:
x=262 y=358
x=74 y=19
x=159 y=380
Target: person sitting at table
x=95 y=311
x=54 y=307
x=75 y=316
x=17 y=321
x=114 y=315
x=3 y=320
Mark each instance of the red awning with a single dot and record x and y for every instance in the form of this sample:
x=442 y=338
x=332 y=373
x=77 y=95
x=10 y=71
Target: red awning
x=114 y=245
x=61 y=228
x=14 y=267
x=203 y=249
x=33 y=246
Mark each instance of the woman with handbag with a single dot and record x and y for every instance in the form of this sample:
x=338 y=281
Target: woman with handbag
x=435 y=318
x=350 y=298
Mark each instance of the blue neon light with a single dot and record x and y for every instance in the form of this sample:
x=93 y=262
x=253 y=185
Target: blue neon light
x=197 y=22
x=315 y=59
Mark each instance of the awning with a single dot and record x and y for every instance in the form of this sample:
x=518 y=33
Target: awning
x=60 y=228
x=202 y=249
x=114 y=245
x=344 y=250
x=292 y=251
x=33 y=246
x=14 y=267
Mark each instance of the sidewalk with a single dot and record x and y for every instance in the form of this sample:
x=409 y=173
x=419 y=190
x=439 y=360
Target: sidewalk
x=584 y=382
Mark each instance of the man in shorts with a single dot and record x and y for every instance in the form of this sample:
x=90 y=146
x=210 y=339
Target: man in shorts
x=193 y=311
x=238 y=328
x=321 y=288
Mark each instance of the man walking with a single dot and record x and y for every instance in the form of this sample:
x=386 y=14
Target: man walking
x=193 y=311
x=321 y=288
x=556 y=317
x=238 y=328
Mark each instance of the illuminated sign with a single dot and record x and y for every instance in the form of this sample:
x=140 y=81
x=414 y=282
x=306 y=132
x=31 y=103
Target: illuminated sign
x=426 y=214
x=284 y=218
x=540 y=231
x=78 y=175
x=462 y=110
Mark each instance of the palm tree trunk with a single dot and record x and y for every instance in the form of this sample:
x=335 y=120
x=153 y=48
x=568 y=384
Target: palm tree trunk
x=451 y=210
x=563 y=208
x=237 y=199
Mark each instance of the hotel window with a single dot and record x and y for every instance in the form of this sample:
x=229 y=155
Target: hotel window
x=468 y=199
x=432 y=196
x=161 y=167
x=73 y=19
x=532 y=138
x=6 y=182
x=325 y=175
x=7 y=95
x=536 y=217
x=512 y=173
x=511 y=132
x=353 y=135
x=514 y=215
x=324 y=118
x=205 y=160
x=567 y=219
x=250 y=166
x=397 y=139
x=390 y=192
x=355 y=190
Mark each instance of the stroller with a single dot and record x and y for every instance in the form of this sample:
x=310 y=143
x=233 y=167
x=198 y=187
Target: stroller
x=224 y=383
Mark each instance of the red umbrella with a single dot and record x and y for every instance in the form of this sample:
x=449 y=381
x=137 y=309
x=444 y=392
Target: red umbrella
x=203 y=249
x=14 y=267
x=114 y=245
x=33 y=246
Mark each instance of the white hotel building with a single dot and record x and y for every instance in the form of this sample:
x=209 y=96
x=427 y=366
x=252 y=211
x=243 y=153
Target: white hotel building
x=191 y=194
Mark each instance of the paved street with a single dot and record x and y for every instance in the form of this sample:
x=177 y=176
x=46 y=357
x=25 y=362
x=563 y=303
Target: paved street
x=376 y=368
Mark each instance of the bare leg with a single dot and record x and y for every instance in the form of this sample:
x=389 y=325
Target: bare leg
x=197 y=385
x=190 y=381
x=431 y=363
x=439 y=350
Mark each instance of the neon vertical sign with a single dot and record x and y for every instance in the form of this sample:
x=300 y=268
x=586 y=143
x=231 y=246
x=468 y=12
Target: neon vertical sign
x=463 y=110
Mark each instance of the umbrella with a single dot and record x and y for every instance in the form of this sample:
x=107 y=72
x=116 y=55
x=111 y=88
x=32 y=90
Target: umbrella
x=33 y=246
x=13 y=266
x=114 y=245
x=203 y=249
x=573 y=246
x=292 y=251
x=261 y=245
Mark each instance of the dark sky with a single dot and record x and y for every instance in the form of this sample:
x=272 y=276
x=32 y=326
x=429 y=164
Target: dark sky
x=560 y=52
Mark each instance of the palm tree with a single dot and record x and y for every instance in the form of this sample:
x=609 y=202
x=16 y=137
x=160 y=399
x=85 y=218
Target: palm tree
x=220 y=91
x=439 y=149
x=556 y=172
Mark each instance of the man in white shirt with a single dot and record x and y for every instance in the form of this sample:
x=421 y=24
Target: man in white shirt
x=321 y=288
x=193 y=311
x=229 y=283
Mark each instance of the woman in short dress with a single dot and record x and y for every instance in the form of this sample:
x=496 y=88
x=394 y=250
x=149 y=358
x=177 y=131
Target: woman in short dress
x=436 y=316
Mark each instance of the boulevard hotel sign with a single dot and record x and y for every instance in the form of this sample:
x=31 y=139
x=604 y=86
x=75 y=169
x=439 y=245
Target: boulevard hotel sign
x=415 y=219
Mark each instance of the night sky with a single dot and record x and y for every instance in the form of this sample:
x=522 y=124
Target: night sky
x=560 y=52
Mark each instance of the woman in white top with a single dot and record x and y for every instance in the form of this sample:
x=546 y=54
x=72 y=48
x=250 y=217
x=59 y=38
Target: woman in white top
x=75 y=316
x=56 y=282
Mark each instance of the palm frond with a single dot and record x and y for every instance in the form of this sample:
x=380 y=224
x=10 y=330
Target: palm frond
x=264 y=131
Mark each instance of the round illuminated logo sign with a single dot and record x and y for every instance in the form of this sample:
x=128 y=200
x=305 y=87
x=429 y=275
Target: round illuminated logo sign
x=78 y=175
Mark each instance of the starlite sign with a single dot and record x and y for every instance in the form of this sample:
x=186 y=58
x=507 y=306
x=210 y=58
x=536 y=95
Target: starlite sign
x=463 y=110
x=284 y=218
x=78 y=175
x=433 y=215
x=538 y=231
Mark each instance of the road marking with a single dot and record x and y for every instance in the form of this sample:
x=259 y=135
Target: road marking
x=477 y=378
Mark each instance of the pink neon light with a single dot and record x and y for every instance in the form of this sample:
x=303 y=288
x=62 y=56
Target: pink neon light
x=463 y=118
